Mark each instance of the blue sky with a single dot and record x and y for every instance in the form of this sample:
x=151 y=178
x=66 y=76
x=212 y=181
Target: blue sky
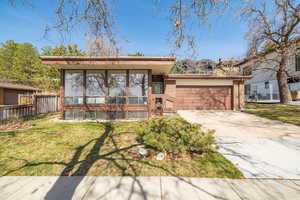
x=143 y=26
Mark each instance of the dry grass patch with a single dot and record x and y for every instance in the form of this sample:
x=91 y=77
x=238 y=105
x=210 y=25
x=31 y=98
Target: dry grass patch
x=284 y=113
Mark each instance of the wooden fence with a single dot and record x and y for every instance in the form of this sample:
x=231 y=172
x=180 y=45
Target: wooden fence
x=38 y=104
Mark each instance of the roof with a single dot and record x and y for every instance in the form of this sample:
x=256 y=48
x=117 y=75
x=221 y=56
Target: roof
x=200 y=76
x=17 y=86
x=107 y=58
x=159 y=65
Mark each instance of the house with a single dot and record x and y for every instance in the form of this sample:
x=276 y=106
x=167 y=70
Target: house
x=227 y=66
x=9 y=92
x=263 y=84
x=132 y=87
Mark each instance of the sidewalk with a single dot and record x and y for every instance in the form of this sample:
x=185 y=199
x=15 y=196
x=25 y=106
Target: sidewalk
x=167 y=188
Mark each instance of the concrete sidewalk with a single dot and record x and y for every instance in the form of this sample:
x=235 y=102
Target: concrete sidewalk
x=167 y=188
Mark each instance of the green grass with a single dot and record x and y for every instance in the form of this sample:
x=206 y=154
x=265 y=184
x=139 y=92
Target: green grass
x=98 y=149
x=284 y=113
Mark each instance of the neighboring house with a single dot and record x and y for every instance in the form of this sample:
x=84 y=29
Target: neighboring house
x=131 y=87
x=227 y=66
x=9 y=92
x=263 y=84
x=205 y=66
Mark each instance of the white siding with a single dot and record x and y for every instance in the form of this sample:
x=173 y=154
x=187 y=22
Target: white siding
x=260 y=76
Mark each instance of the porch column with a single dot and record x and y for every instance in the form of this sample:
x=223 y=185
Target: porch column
x=62 y=93
x=1 y=96
x=149 y=93
x=235 y=95
x=241 y=94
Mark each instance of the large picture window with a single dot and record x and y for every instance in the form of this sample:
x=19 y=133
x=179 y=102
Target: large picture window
x=95 y=87
x=138 y=87
x=73 y=87
x=117 y=87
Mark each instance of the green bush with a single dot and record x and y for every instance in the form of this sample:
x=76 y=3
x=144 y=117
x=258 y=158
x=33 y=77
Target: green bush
x=173 y=134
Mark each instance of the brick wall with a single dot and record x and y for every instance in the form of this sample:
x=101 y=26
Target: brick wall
x=170 y=91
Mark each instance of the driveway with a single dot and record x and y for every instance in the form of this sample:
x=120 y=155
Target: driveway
x=259 y=147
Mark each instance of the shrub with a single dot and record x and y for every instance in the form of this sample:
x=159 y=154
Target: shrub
x=173 y=134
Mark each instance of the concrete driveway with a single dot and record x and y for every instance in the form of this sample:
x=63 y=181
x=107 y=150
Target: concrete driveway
x=259 y=147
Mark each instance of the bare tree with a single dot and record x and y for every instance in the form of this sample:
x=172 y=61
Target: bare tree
x=274 y=24
x=101 y=46
x=98 y=15
x=74 y=14
x=187 y=15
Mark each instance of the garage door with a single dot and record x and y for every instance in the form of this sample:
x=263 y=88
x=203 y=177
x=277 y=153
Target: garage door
x=204 y=97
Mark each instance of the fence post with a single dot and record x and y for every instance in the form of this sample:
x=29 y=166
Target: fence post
x=35 y=105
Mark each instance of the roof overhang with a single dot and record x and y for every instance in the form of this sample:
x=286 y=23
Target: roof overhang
x=18 y=87
x=207 y=77
x=158 y=65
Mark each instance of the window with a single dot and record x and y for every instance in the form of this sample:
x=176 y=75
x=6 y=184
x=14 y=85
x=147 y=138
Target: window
x=157 y=88
x=137 y=114
x=73 y=115
x=73 y=87
x=209 y=68
x=117 y=86
x=138 y=87
x=116 y=115
x=94 y=115
x=297 y=63
x=267 y=85
x=95 y=84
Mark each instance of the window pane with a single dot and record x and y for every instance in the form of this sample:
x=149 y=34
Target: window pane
x=116 y=115
x=69 y=115
x=91 y=115
x=138 y=100
x=78 y=115
x=73 y=83
x=157 y=87
x=137 y=114
x=95 y=83
x=138 y=83
x=116 y=83
x=121 y=100
x=133 y=100
x=95 y=100
x=112 y=100
x=143 y=100
x=68 y=100
x=100 y=115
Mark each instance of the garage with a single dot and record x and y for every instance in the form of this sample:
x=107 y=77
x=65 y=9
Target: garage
x=191 y=97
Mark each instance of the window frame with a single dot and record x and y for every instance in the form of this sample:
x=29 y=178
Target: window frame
x=117 y=98
x=76 y=96
x=162 y=87
x=95 y=96
x=141 y=100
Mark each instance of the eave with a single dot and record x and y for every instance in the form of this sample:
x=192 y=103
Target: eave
x=207 y=77
x=158 y=65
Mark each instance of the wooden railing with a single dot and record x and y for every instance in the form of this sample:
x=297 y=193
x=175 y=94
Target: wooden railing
x=40 y=104
x=15 y=111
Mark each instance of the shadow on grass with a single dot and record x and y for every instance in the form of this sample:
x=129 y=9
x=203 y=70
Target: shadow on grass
x=65 y=186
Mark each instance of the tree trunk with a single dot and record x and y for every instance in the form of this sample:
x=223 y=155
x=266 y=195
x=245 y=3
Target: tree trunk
x=284 y=91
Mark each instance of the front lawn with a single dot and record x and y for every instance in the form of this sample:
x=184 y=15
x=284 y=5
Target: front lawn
x=284 y=113
x=96 y=149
